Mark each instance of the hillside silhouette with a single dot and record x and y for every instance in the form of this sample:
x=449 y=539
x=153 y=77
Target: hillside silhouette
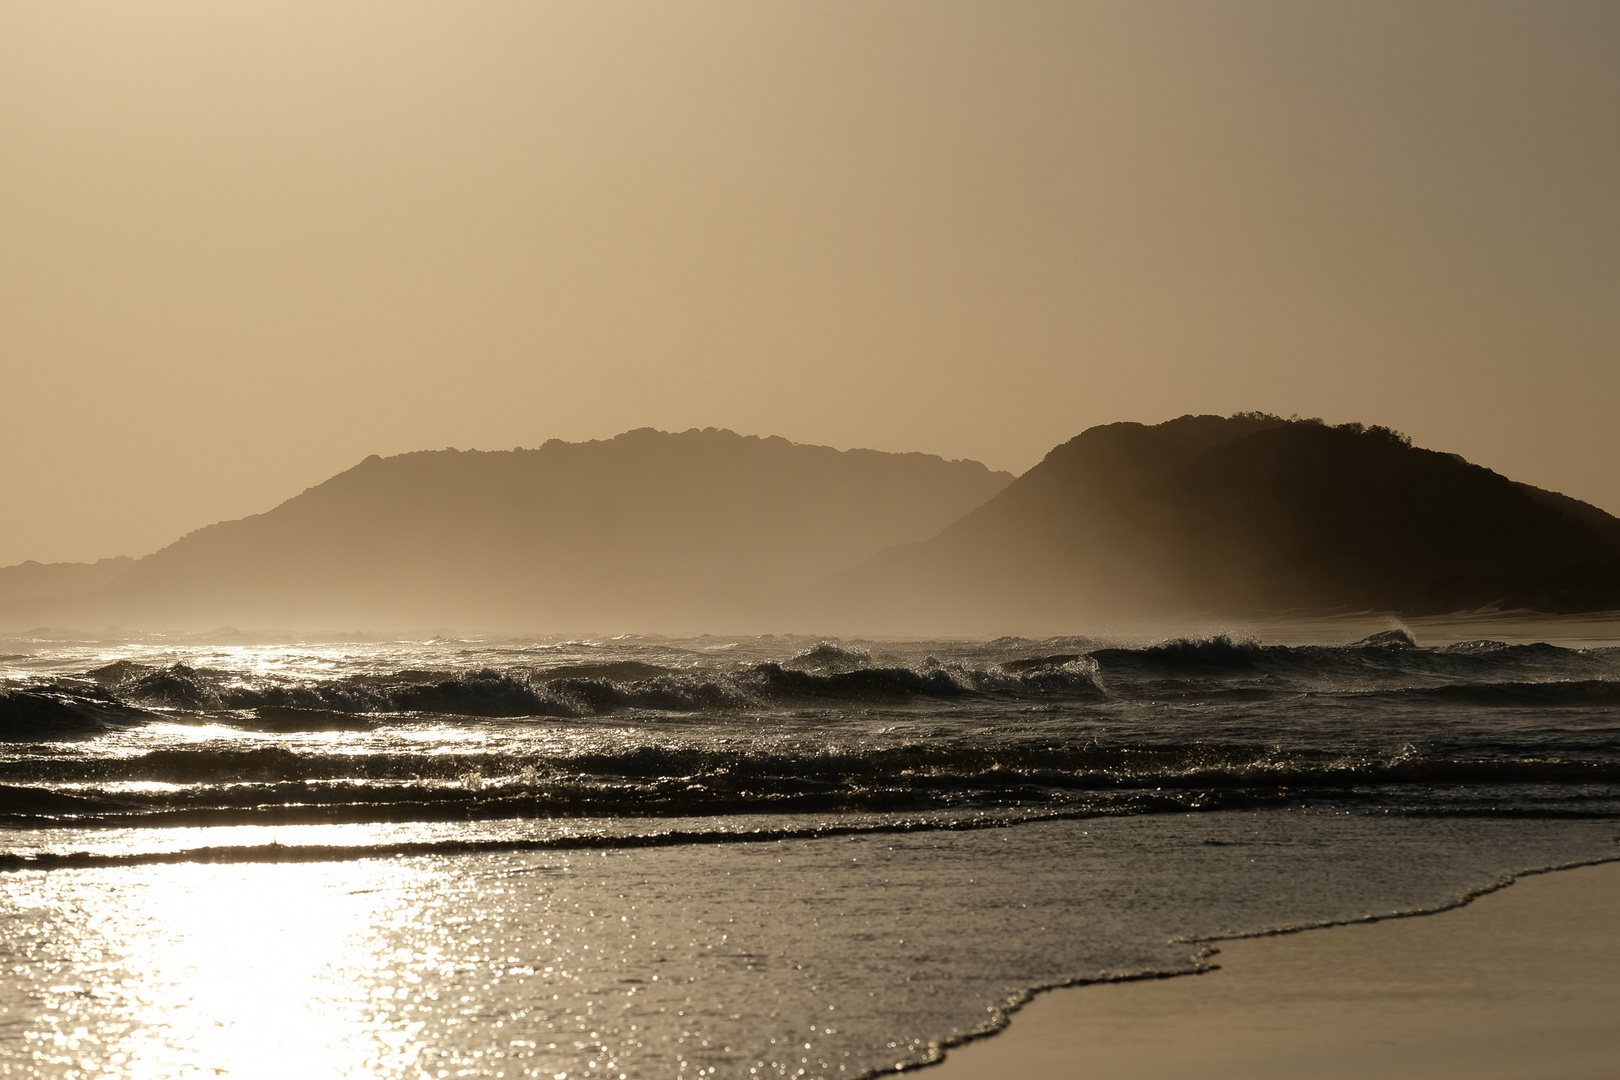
x=35 y=580
x=1250 y=514
x=713 y=531
x=648 y=530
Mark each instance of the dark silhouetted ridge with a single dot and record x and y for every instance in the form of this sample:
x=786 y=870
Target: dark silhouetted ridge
x=1245 y=515
x=709 y=530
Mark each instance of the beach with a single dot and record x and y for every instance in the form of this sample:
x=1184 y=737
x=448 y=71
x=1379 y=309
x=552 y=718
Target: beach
x=1521 y=982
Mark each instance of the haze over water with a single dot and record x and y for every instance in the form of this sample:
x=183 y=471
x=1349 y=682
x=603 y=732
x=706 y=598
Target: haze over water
x=242 y=248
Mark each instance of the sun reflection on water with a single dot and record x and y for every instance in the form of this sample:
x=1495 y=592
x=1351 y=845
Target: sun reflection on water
x=206 y=970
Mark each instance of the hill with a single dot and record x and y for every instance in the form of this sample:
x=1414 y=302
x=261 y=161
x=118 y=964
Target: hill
x=646 y=531
x=35 y=580
x=1242 y=515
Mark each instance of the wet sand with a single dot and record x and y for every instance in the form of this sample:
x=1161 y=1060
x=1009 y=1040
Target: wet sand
x=1523 y=983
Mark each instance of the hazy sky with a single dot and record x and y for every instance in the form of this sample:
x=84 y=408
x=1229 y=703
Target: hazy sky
x=244 y=245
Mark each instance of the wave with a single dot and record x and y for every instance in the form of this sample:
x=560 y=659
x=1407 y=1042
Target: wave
x=829 y=656
x=591 y=840
x=1393 y=652
x=51 y=712
x=771 y=733
x=562 y=692
x=1551 y=693
x=827 y=674
x=916 y=767
x=232 y=784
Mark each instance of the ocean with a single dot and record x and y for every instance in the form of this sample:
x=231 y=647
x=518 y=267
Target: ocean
x=641 y=857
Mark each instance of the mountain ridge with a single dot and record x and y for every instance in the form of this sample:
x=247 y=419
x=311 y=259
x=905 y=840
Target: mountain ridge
x=1252 y=515
x=652 y=528
x=32 y=580
x=1202 y=516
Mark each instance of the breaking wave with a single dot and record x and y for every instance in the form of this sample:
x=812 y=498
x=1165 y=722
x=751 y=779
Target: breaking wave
x=1012 y=726
x=1479 y=672
x=127 y=693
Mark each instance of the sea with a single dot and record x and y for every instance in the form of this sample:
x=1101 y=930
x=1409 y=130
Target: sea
x=650 y=857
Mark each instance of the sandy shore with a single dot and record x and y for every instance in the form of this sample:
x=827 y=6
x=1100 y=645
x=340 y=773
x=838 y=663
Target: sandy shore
x=1521 y=983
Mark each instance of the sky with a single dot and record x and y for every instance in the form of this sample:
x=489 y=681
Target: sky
x=243 y=246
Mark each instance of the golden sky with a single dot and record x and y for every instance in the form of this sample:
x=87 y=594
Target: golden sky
x=243 y=246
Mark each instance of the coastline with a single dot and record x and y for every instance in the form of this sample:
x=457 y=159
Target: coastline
x=1520 y=981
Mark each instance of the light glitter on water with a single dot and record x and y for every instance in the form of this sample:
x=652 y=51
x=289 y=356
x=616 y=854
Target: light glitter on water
x=650 y=858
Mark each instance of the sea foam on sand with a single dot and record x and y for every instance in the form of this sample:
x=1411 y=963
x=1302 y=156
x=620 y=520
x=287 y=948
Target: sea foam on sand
x=1523 y=982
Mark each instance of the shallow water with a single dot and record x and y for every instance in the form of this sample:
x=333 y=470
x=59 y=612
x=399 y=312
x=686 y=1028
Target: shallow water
x=653 y=858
